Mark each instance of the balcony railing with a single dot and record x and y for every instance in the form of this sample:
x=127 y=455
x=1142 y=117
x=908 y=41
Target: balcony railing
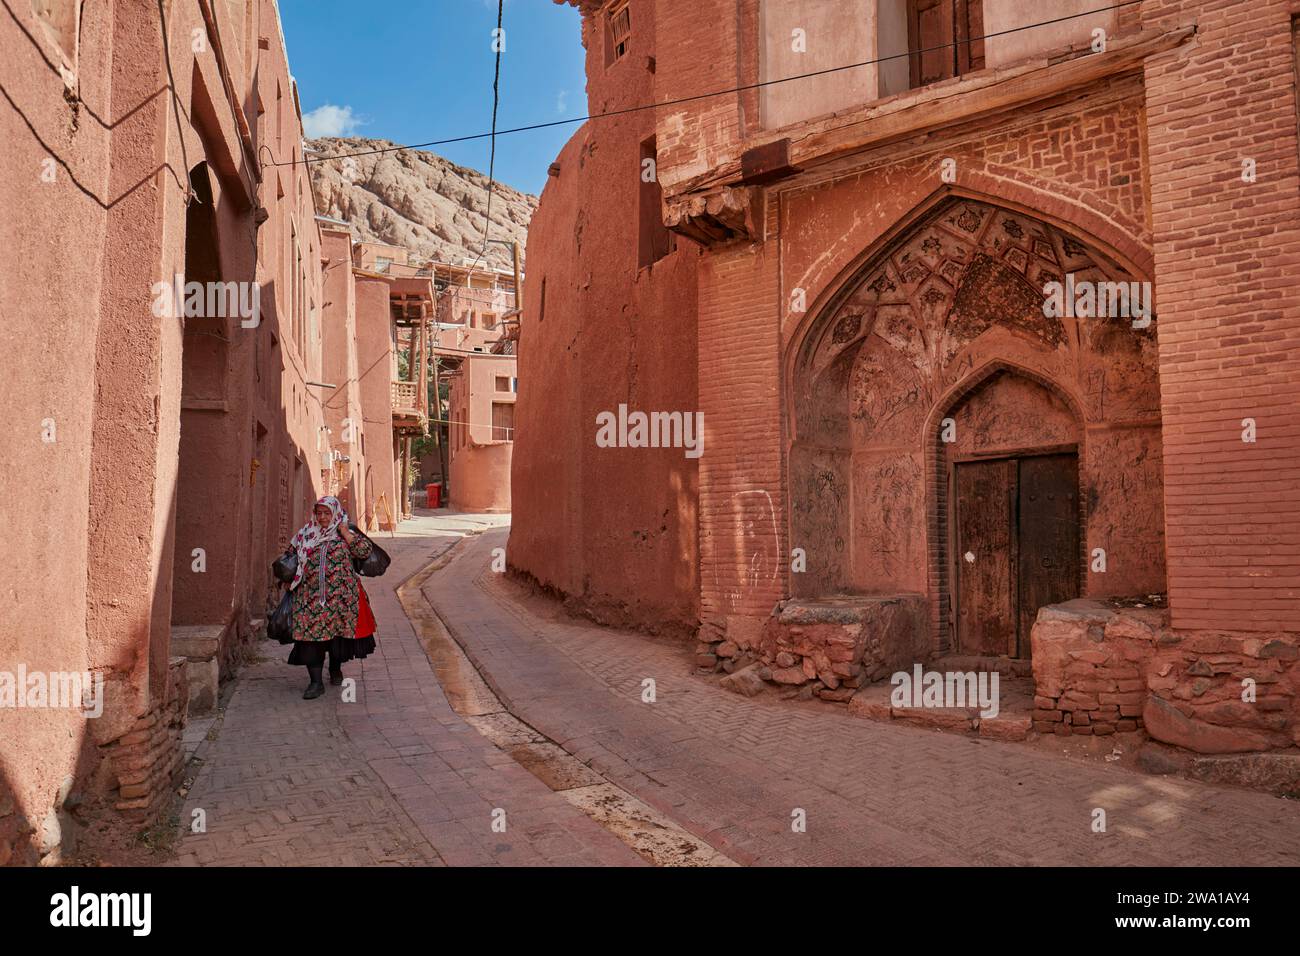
x=405 y=397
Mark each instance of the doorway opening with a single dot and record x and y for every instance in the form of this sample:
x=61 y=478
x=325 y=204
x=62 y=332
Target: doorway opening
x=204 y=558
x=1015 y=547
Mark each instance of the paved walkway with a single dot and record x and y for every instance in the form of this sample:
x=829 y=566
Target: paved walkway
x=399 y=778
x=395 y=778
x=737 y=771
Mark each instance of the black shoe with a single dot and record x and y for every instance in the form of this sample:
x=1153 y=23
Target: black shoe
x=314 y=690
x=336 y=678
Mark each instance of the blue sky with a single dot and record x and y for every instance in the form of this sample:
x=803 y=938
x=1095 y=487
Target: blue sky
x=418 y=70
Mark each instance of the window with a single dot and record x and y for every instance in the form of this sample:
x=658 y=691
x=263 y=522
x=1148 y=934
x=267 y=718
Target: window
x=382 y=263
x=939 y=36
x=654 y=240
x=489 y=320
x=503 y=421
x=503 y=383
x=618 y=32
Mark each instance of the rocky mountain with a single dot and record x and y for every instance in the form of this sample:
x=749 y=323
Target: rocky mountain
x=417 y=199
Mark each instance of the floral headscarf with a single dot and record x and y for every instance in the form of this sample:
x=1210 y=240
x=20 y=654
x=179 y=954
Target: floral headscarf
x=312 y=535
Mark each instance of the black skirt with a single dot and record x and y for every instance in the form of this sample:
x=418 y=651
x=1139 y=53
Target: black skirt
x=339 y=649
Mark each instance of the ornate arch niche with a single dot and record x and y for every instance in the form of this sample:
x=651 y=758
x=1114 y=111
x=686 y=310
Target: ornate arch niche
x=957 y=294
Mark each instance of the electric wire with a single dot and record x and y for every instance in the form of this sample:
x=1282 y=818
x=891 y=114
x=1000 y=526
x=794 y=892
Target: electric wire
x=701 y=96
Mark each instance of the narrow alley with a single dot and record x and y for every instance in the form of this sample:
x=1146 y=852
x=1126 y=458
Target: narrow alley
x=400 y=777
x=699 y=439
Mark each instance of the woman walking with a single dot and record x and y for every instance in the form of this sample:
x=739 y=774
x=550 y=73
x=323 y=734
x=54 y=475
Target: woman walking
x=325 y=594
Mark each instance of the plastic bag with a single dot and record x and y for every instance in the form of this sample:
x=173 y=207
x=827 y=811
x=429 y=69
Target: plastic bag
x=378 y=561
x=279 y=626
x=285 y=566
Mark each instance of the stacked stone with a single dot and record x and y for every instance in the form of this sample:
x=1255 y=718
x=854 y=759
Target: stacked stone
x=826 y=656
x=1213 y=692
x=1105 y=695
x=1100 y=669
x=711 y=636
x=1091 y=676
x=148 y=759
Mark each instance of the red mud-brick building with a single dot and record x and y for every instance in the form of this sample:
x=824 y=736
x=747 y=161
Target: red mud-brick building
x=158 y=459
x=451 y=324
x=909 y=455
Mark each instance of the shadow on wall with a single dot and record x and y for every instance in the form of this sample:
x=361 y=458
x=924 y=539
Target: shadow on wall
x=35 y=831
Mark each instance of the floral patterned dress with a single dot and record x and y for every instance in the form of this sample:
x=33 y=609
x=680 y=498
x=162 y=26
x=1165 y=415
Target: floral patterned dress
x=337 y=617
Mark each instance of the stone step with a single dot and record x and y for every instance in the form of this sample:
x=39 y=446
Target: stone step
x=1015 y=704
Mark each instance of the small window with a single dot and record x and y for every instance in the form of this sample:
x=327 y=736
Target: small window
x=489 y=320
x=618 y=33
x=503 y=383
x=503 y=421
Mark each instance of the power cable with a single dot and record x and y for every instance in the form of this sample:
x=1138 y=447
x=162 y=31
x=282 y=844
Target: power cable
x=701 y=96
x=492 y=151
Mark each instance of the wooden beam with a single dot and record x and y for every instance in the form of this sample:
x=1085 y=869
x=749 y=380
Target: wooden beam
x=766 y=163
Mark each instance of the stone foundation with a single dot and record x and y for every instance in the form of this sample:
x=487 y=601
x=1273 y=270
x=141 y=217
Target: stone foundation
x=831 y=647
x=1099 y=669
x=148 y=759
x=200 y=645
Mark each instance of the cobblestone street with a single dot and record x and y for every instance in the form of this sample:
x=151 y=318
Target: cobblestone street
x=401 y=778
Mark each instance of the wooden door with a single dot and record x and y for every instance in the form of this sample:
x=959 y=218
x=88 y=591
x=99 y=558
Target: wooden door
x=946 y=38
x=1016 y=548
x=985 y=497
x=929 y=36
x=970 y=35
x=1048 y=532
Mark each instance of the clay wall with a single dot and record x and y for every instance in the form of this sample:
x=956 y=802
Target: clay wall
x=611 y=528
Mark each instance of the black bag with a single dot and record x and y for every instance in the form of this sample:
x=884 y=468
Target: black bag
x=279 y=626
x=285 y=566
x=375 y=565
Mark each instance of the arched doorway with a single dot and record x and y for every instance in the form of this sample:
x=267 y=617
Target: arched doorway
x=1007 y=457
x=935 y=380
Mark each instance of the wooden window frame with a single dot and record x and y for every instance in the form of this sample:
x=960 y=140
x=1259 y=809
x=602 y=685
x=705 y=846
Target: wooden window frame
x=967 y=44
x=618 y=35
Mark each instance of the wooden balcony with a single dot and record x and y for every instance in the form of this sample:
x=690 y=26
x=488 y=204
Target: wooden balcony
x=408 y=409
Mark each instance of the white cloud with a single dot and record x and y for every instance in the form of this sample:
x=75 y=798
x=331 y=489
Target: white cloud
x=330 y=120
x=559 y=101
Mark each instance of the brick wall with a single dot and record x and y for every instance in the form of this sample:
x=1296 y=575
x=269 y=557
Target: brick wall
x=696 y=52
x=1227 y=253
x=613 y=530
x=744 y=556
